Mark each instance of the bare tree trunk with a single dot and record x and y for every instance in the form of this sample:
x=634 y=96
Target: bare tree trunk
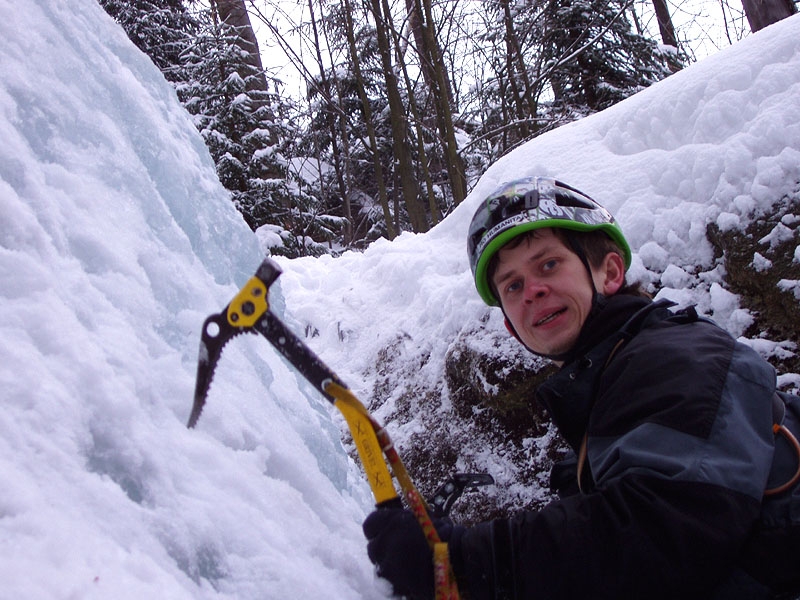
x=761 y=13
x=435 y=74
x=455 y=164
x=667 y=30
x=391 y=231
x=331 y=117
x=665 y=26
x=525 y=105
x=417 y=24
x=403 y=166
x=234 y=14
x=346 y=176
x=515 y=96
x=417 y=119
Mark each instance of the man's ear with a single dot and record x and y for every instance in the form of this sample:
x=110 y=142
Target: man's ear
x=611 y=274
x=512 y=331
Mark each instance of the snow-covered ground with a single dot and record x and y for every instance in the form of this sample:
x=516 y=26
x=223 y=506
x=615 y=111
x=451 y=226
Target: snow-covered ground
x=116 y=241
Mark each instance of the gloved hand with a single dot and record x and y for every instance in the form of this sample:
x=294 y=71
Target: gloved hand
x=397 y=547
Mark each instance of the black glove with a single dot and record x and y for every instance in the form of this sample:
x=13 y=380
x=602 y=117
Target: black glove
x=397 y=547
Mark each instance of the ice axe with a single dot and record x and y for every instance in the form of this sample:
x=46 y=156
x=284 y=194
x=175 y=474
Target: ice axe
x=249 y=312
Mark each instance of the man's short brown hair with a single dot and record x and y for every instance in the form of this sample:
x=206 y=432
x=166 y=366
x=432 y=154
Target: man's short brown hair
x=594 y=245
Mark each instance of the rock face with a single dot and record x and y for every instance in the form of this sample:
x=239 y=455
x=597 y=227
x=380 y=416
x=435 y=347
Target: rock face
x=479 y=418
x=763 y=267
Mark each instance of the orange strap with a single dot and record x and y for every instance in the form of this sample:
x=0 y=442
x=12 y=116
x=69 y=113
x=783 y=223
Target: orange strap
x=796 y=445
x=446 y=588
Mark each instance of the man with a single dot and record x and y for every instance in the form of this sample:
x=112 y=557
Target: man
x=685 y=465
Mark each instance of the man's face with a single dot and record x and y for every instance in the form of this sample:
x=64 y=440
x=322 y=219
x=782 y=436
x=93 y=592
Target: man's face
x=545 y=291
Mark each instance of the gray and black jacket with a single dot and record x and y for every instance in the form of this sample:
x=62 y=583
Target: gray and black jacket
x=673 y=422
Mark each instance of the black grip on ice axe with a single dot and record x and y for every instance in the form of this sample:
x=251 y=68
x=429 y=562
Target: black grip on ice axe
x=445 y=496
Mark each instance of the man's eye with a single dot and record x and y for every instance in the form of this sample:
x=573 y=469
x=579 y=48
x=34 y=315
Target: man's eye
x=549 y=265
x=513 y=287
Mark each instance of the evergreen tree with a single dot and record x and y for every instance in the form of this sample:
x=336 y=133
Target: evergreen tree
x=226 y=93
x=593 y=57
x=249 y=134
x=162 y=29
x=317 y=140
x=346 y=83
x=538 y=64
x=554 y=61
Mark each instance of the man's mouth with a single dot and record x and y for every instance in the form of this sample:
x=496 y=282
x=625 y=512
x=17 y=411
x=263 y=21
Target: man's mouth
x=549 y=317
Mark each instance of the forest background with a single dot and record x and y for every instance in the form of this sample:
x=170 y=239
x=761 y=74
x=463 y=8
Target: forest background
x=403 y=104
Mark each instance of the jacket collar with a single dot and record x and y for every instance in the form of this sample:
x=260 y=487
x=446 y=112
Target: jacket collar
x=569 y=394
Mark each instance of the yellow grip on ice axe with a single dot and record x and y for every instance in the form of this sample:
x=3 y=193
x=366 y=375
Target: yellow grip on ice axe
x=369 y=449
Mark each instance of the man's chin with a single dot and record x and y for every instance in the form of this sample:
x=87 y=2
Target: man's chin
x=548 y=350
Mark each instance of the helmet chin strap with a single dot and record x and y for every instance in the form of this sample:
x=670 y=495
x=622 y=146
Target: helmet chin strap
x=598 y=302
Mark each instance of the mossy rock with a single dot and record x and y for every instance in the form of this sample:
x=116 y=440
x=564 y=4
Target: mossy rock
x=756 y=261
x=488 y=386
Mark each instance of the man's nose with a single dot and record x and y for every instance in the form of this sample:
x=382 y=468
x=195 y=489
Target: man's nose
x=535 y=289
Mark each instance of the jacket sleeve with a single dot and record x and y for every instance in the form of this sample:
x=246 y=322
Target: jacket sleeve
x=679 y=446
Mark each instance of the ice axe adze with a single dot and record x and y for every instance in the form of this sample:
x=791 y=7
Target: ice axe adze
x=249 y=312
